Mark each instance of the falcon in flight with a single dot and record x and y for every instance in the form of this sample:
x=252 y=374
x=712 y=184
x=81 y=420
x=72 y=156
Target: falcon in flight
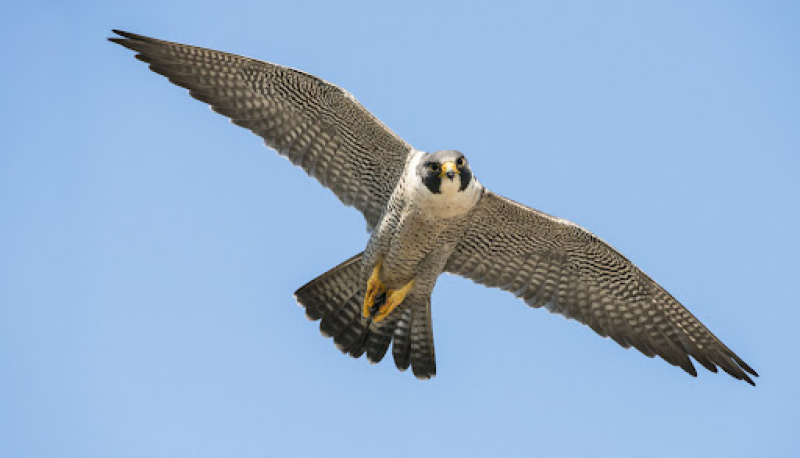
x=428 y=214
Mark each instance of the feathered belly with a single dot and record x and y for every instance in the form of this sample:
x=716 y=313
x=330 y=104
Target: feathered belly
x=411 y=246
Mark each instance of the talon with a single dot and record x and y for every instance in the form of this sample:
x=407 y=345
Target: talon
x=394 y=297
x=374 y=289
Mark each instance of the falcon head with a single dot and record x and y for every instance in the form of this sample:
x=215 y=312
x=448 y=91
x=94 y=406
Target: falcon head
x=445 y=186
x=445 y=172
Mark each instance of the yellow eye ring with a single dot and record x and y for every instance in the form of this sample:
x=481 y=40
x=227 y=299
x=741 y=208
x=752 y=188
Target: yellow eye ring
x=433 y=167
x=460 y=162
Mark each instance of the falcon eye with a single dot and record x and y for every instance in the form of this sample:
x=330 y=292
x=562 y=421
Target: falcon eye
x=433 y=167
x=460 y=162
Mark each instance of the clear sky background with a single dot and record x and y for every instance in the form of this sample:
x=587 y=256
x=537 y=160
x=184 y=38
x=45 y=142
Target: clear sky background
x=149 y=249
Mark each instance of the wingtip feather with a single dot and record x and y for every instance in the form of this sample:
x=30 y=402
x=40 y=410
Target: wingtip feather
x=130 y=35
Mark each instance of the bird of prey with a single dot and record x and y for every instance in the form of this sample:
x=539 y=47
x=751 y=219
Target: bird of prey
x=428 y=214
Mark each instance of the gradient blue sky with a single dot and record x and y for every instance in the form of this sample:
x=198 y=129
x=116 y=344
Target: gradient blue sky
x=149 y=249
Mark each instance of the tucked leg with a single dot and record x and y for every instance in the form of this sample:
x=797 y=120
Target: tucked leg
x=375 y=288
x=394 y=297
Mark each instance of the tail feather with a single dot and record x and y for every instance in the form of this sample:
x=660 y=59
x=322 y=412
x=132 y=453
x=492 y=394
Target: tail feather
x=402 y=341
x=336 y=297
x=423 y=359
x=378 y=344
x=360 y=345
x=338 y=321
x=325 y=293
x=356 y=342
x=354 y=325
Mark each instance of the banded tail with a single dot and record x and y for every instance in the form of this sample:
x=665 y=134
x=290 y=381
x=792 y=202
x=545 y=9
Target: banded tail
x=337 y=296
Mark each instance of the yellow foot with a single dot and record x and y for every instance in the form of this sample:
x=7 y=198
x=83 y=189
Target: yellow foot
x=374 y=289
x=394 y=297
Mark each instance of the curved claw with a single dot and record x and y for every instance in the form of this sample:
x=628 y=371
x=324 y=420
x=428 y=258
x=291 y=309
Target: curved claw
x=394 y=297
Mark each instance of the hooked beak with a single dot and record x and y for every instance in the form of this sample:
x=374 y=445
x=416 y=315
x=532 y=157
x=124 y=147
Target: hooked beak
x=449 y=170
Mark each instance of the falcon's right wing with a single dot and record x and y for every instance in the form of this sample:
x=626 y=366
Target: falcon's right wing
x=318 y=126
x=552 y=262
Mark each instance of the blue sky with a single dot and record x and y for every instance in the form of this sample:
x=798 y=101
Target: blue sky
x=149 y=249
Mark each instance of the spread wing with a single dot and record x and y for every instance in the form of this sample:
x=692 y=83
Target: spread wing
x=551 y=262
x=316 y=125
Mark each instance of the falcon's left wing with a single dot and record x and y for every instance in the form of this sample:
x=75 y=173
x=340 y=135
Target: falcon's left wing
x=552 y=262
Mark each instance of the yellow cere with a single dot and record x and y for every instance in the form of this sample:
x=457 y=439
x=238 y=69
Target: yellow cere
x=448 y=166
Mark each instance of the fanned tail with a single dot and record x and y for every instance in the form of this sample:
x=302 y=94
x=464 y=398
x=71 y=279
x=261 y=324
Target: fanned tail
x=336 y=297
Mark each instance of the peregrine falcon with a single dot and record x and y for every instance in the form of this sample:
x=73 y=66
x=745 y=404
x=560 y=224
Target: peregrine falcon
x=428 y=214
